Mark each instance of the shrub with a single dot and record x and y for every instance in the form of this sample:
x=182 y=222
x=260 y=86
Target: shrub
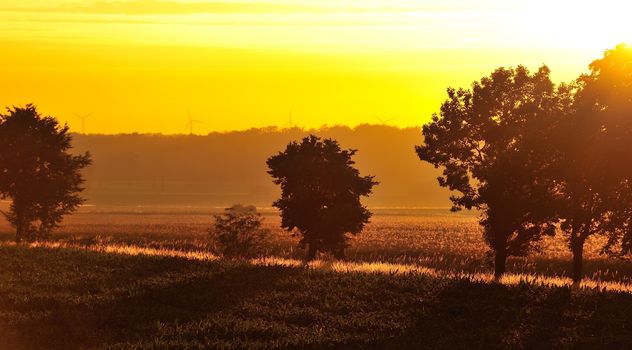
x=238 y=232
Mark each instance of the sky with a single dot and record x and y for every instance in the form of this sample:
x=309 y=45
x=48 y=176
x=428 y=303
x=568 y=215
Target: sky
x=145 y=66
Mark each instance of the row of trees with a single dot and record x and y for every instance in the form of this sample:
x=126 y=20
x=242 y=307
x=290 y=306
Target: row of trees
x=321 y=189
x=535 y=157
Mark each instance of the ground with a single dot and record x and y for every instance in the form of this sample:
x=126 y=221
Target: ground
x=75 y=293
x=433 y=238
x=73 y=298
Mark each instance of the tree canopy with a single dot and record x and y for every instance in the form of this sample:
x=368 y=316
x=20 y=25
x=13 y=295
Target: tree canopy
x=490 y=142
x=320 y=193
x=531 y=155
x=37 y=172
x=604 y=119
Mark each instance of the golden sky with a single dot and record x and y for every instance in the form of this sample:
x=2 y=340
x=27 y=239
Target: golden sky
x=138 y=65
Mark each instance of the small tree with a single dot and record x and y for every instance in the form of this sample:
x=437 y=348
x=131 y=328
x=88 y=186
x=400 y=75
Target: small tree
x=491 y=143
x=37 y=172
x=238 y=231
x=320 y=194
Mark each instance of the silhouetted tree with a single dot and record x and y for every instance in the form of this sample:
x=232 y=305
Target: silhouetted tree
x=37 y=173
x=320 y=193
x=596 y=167
x=491 y=143
x=583 y=189
x=238 y=231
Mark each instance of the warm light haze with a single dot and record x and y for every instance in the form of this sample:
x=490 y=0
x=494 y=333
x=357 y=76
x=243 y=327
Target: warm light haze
x=137 y=66
x=315 y=174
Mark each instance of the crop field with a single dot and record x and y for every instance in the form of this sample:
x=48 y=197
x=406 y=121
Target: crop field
x=73 y=298
x=433 y=238
x=147 y=278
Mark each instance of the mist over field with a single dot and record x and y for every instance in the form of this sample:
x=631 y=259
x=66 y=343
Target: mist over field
x=221 y=169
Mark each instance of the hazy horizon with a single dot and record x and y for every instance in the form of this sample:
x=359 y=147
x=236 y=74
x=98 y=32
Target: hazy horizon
x=222 y=169
x=261 y=129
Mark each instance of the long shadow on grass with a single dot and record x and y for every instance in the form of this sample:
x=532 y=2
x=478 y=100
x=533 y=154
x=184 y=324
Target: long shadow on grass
x=466 y=315
x=187 y=291
x=145 y=298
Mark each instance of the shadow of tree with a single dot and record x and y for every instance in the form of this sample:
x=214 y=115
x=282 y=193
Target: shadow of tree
x=111 y=301
x=467 y=315
x=164 y=291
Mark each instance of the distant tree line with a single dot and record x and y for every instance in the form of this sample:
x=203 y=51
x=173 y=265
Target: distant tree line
x=539 y=159
x=535 y=158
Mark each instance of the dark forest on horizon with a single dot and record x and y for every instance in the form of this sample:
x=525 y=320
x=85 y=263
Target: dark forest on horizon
x=221 y=169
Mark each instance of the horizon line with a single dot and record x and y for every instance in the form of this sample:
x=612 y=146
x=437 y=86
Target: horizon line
x=263 y=129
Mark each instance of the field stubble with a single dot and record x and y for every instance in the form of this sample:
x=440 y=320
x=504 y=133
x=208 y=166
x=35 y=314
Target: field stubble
x=435 y=239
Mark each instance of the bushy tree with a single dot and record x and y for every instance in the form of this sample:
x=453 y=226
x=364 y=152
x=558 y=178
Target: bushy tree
x=595 y=174
x=320 y=194
x=491 y=142
x=585 y=192
x=37 y=172
x=238 y=231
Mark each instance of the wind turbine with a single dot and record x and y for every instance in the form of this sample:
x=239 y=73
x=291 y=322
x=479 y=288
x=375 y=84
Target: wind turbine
x=382 y=120
x=290 y=124
x=191 y=122
x=83 y=121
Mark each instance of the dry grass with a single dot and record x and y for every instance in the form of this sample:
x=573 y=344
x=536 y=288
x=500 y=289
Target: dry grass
x=376 y=267
x=395 y=241
x=62 y=297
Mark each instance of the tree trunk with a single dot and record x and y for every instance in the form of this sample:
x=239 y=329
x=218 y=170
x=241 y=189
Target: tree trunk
x=578 y=259
x=311 y=251
x=500 y=262
x=18 y=233
x=19 y=227
x=339 y=253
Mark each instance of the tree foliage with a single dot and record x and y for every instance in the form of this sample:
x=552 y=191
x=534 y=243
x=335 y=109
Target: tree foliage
x=604 y=123
x=37 y=172
x=238 y=231
x=320 y=193
x=530 y=155
x=490 y=142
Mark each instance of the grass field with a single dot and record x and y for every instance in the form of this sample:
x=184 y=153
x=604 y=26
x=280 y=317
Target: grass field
x=432 y=238
x=75 y=298
x=140 y=278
